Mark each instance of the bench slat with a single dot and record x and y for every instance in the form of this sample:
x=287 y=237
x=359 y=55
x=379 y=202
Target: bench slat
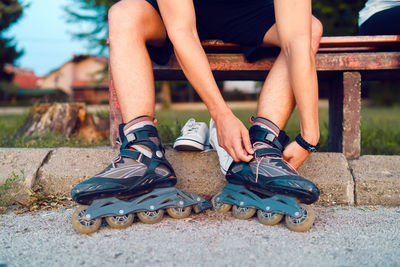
x=328 y=44
x=234 y=63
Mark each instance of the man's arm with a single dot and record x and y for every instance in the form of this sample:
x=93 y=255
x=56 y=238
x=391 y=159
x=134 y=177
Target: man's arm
x=180 y=22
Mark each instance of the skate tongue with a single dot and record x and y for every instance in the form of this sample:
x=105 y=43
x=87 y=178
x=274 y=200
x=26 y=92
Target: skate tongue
x=263 y=149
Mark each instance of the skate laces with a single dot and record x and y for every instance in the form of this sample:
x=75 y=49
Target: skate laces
x=116 y=160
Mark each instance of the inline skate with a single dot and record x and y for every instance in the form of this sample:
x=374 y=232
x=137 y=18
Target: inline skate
x=268 y=185
x=139 y=181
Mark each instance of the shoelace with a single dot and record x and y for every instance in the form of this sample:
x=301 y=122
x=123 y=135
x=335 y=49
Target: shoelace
x=190 y=127
x=116 y=160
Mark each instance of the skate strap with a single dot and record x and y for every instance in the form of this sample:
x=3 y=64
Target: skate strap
x=136 y=155
x=259 y=134
x=271 y=152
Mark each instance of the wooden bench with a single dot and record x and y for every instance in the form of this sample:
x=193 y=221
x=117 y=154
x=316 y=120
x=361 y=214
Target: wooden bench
x=344 y=61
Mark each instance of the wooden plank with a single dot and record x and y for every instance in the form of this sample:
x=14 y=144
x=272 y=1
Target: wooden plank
x=351 y=115
x=328 y=43
x=324 y=62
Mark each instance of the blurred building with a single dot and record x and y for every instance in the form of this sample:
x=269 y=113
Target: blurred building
x=82 y=79
x=24 y=88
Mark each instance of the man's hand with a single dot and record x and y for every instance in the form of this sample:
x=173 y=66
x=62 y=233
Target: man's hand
x=295 y=154
x=233 y=136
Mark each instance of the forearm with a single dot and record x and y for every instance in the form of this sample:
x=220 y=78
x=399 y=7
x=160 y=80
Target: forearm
x=195 y=65
x=305 y=90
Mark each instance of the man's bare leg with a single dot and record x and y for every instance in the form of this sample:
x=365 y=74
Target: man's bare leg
x=132 y=24
x=277 y=99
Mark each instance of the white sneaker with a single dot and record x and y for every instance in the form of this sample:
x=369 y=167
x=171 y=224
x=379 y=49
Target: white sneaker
x=225 y=160
x=194 y=136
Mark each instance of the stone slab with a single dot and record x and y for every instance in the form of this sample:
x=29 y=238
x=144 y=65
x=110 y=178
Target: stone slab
x=67 y=167
x=377 y=180
x=22 y=165
x=331 y=173
x=198 y=173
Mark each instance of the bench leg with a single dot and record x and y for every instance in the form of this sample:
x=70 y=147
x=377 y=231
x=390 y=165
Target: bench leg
x=345 y=115
x=115 y=112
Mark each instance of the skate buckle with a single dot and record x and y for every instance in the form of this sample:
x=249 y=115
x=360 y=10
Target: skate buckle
x=159 y=154
x=152 y=207
x=121 y=211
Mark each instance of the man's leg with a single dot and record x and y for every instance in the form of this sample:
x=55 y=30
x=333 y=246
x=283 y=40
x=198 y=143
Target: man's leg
x=132 y=24
x=276 y=100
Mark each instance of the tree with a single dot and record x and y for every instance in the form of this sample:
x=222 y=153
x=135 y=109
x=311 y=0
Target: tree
x=10 y=12
x=340 y=17
x=95 y=14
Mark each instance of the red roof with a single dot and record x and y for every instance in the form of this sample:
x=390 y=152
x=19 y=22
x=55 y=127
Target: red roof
x=26 y=80
x=23 y=78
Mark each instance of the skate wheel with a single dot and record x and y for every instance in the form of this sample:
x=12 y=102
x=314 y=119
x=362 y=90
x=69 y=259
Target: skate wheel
x=269 y=218
x=303 y=222
x=120 y=222
x=219 y=206
x=82 y=224
x=196 y=208
x=150 y=217
x=243 y=213
x=179 y=212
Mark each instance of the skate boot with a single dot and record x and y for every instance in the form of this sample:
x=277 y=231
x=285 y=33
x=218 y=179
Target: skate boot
x=139 y=181
x=268 y=184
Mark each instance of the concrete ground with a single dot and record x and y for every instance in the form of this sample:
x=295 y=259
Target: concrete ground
x=341 y=236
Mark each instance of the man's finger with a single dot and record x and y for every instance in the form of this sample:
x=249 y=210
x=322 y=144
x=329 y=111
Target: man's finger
x=240 y=152
x=232 y=153
x=246 y=141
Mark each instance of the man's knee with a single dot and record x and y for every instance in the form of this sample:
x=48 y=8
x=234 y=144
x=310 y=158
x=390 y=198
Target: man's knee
x=317 y=30
x=126 y=15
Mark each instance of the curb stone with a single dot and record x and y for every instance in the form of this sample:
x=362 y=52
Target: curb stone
x=377 y=180
x=369 y=180
x=22 y=165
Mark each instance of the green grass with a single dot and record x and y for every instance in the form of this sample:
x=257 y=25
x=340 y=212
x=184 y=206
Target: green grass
x=9 y=125
x=172 y=121
x=380 y=129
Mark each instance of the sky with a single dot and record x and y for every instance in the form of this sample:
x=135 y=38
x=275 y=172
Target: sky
x=45 y=36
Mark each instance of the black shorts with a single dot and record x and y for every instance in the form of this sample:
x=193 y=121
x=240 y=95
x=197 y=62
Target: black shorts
x=244 y=22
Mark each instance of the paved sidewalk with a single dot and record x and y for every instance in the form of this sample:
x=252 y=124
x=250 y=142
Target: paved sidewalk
x=341 y=236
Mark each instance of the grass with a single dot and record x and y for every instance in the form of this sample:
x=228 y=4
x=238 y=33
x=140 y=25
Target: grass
x=9 y=125
x=380 y=129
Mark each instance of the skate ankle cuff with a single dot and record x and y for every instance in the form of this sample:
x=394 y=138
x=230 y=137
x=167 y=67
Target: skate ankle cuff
x=136 y=155
x=260 y=134
x=271 y=152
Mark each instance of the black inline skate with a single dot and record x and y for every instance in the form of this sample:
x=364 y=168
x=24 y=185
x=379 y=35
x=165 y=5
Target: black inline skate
x=139 y=181
x=268 y=184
